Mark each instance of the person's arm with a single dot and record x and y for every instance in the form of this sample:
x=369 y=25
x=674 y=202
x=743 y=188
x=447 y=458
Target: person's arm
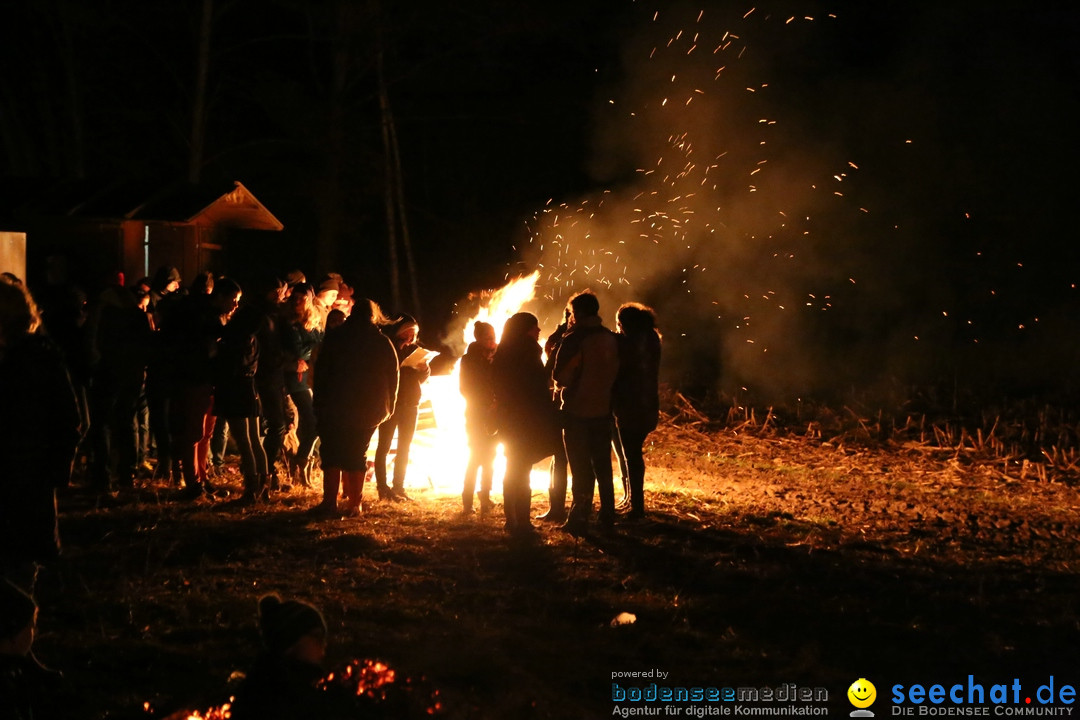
x=567 y=361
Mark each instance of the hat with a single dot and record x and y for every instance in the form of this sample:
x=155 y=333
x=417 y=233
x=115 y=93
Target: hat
x=16 y=610
x=295 y=277
x=283 y=622
x=330 y=282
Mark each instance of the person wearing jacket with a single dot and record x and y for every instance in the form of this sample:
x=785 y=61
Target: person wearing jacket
x=524 y=416
x=301 y=335
x=355 y=393
x=236 y=401
x=559 y=474
x=270 y=373
x=475 y=384
x=635 y=397
x=403 y=334
x=39 y=431
x=585 y=371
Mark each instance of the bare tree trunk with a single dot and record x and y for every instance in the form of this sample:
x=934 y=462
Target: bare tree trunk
x=388 y=192
x=331 y=197
x=406 y=243
x=198 y=114
x=77 y=156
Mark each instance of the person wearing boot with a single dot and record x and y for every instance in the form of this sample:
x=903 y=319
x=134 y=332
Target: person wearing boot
x=355 y=392
x=475 y=383
x=636 y=397
x=404 y=334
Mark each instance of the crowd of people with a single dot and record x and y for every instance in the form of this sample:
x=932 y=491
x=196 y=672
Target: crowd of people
x=160 y=371
x=163 y=374
x=598 y=390
x=147 y=371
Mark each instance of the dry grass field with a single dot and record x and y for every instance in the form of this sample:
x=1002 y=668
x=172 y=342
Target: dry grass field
x=770 y=556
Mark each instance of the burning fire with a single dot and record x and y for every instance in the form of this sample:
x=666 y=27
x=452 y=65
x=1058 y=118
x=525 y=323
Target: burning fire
x=440 y=453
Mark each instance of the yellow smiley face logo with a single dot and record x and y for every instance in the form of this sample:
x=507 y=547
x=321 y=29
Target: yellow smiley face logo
x=862 y=693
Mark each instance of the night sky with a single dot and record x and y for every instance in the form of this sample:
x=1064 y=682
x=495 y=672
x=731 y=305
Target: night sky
x=814 y=196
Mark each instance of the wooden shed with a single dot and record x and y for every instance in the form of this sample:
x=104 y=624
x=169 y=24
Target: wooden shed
x=86 y=232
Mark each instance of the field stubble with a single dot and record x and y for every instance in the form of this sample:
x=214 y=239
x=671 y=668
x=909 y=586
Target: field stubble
x=769 y=557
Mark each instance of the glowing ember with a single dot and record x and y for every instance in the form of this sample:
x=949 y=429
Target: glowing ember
x=221 y=712
x=375 y=683
x=362 y=677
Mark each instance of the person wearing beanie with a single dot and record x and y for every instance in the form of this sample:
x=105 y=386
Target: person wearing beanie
x=292 y=628
x=326 y=294
x=284 y=682
x=294 y=278
x=413 y=372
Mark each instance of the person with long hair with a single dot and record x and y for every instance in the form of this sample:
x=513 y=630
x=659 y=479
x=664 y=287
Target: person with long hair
x=635 y=397
x=236 y=400
x=524 y=415
x=39 y=431
x=355 y=392
x=301 y=335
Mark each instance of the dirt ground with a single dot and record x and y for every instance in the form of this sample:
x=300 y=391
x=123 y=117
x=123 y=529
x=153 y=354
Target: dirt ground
x=766 y=559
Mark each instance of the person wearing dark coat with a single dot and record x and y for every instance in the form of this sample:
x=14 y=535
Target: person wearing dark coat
x=120 y=336
x=524 y=415
x=404 y=334
x=270 y=373
x=355 y=393
x=190 y=335
x=165 y=298
x=557 y=485
x=236 y=400
x=636 y=397
x=475 y=383
x=39 y=431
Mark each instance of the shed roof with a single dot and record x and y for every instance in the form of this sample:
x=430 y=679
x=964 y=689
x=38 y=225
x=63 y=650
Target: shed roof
x=208 y=204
